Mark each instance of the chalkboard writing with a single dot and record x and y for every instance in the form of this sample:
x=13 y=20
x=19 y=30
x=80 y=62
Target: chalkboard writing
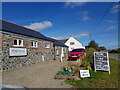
x=101 y=61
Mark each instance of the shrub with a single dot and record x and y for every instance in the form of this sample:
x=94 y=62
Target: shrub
x=89 y=54
x=114 y=51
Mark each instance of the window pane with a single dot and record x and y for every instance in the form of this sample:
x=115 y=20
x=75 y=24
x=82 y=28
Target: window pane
x=47 y=45
x=32 y=43
x=72 y=43
x=36 y=44
x=20 y=42
x=15 y=42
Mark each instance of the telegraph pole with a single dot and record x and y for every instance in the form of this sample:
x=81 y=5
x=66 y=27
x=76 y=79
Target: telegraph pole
x=90 y=36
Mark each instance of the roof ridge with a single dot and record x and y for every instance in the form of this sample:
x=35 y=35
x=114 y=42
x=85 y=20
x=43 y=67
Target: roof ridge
x=52 y=38
x=63 y=39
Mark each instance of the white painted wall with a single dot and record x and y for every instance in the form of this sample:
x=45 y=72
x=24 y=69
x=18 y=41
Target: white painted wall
x=77 y=44
x=62 y=54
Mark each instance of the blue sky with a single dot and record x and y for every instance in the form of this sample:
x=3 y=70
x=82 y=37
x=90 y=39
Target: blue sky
x=60 y=20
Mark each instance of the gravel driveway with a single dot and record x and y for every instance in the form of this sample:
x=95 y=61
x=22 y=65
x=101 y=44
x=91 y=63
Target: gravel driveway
x=39 y=75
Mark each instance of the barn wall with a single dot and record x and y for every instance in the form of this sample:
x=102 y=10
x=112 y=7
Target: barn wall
x=65 y=50
x=34 y=55
x=1 y=54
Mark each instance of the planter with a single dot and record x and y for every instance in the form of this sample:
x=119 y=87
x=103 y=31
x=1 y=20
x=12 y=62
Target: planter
x=66 y=77
x=85 y=66
x=76 y=74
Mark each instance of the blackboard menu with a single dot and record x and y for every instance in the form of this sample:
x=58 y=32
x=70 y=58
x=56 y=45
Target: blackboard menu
x=101 y=61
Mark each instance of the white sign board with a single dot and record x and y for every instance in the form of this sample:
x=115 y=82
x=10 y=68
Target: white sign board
x=101 y=61
x=84 y=73
x=17 y=51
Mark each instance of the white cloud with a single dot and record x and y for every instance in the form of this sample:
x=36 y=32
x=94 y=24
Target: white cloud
x=39 y=25
x=57 y=38
x=74 y=4
x=109 y=21
x=111 y=28
x=116 y=8
x=75 y=36
x=81 y=35
x=85 y=16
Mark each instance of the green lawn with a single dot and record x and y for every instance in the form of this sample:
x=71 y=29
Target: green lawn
x=99 y=79
x=114 y=53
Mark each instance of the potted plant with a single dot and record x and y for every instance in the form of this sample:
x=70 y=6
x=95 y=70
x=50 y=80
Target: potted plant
x=85 y=64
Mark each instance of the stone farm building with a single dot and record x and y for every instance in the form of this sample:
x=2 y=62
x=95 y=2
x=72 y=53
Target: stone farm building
x=21 y=46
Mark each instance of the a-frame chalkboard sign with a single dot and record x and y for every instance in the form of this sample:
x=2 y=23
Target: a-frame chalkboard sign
x=101 y=61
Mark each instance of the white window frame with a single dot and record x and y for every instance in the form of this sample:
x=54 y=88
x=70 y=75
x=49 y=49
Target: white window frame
x=34 y=44
x=48 y=45
x=18 y=42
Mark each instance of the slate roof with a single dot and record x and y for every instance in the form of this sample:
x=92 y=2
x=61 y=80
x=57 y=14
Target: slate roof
x=57 y=42
x=14 y=28
x=63 y=41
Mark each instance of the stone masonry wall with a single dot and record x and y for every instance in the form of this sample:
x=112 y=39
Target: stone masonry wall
x=1 y=54
x=34 y=55
x=58 y=56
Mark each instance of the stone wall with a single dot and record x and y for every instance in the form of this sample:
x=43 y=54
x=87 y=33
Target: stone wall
x=34 y=55
x=65 y=50
x=1 y=54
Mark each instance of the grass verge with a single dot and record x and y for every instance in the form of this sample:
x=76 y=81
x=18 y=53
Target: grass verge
x=100 y=79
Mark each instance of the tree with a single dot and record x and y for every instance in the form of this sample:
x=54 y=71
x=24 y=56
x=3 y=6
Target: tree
x=102 y=48
x=93 y=44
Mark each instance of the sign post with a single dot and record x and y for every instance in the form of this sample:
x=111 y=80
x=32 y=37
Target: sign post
x=101 y=61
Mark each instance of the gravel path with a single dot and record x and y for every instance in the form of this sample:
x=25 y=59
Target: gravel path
x=39 y=75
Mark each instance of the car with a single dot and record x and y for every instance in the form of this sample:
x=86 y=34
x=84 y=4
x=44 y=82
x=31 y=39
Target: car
x=77 y=53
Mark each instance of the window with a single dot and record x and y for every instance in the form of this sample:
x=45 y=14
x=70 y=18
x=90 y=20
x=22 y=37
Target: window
x=15 y=42
x=18 y=42
x=47 y=45
x=72 y=43
x=34 y=44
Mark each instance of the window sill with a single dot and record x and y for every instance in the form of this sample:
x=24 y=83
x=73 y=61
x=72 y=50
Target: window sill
x=47 y=48
x=19 y=46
